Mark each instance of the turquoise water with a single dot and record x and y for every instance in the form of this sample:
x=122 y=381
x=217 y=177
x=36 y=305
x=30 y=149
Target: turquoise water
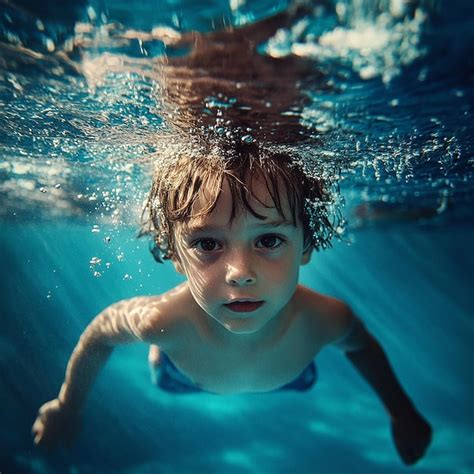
x=391 y=103
x=408 y=284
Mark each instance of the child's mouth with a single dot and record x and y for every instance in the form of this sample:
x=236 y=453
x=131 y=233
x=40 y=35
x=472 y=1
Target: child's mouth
x=244 y=306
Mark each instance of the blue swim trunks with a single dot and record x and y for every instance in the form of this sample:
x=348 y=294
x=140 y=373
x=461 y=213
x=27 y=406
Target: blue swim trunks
x=171 y=379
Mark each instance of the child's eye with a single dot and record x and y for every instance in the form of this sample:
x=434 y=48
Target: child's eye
x=206 y=245
x=270 y=242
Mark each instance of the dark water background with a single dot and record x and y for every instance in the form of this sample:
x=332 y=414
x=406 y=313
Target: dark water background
x=76 y=149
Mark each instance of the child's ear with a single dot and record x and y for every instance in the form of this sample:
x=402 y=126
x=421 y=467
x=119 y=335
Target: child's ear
x=306 y=257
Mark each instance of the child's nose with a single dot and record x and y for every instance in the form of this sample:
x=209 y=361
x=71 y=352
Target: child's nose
x=239 y=270
x=241 y=280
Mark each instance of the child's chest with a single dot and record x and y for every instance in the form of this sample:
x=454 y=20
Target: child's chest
x=219 y=369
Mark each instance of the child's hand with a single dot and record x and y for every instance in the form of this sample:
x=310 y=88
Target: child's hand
x=412 y=435
x=54 y=424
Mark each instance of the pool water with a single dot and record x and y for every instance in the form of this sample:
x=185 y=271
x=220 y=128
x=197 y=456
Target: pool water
x=408 y=284
x=393 y=114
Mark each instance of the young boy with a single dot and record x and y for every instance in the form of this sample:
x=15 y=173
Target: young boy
x=238 y=223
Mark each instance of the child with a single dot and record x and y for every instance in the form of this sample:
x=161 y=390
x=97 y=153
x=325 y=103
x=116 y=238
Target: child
x=237 y=222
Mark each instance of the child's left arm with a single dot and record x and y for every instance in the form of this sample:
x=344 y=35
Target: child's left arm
x=410 y=431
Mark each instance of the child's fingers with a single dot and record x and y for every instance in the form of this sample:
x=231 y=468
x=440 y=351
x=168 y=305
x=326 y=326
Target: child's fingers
x=41 y=434
x=37 y=426
x=37 y=431
x=412 y=438
x=37 y=439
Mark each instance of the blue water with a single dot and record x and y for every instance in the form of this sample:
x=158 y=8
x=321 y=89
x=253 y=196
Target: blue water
x=409 y=285
x=73 y=172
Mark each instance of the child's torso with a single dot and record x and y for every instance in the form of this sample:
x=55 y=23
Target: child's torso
x=217 y=366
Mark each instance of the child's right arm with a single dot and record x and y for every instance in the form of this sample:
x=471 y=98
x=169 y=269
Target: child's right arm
x=411 y=432
x=121 y=323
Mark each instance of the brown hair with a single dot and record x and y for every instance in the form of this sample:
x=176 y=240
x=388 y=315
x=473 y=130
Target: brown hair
x=179 y=181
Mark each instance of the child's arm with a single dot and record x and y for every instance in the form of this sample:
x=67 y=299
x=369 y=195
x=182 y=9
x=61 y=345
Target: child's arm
x=121 y=323
x=410 y=431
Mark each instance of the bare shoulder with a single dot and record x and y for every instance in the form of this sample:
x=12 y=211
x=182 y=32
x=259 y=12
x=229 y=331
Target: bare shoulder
x=330 y=317
x=154 y=319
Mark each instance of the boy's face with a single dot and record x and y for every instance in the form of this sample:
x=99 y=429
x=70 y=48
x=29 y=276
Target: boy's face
x=245 y=273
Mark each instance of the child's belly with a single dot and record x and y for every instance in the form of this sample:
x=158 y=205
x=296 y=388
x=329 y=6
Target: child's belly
x=227 y=375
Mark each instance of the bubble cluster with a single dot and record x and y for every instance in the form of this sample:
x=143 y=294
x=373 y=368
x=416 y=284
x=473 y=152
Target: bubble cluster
x=84 y=120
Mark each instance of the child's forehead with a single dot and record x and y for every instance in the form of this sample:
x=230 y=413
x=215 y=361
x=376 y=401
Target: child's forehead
x=222 y=216
x=258 y=195
x=258 y=188
x=259 y=199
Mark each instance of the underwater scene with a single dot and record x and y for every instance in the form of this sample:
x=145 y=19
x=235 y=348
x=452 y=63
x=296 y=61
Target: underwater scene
x=374 y=98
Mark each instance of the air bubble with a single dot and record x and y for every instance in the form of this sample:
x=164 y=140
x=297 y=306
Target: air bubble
x=50 y=46
x=95 y=261
x=91 y=13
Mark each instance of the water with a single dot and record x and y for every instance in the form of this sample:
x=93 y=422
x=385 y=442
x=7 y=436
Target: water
x=387 y=96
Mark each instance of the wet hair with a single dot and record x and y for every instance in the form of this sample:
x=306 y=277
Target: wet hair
x=178 y=182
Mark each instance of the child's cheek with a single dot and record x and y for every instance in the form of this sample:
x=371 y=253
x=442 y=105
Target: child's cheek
x=283 y=272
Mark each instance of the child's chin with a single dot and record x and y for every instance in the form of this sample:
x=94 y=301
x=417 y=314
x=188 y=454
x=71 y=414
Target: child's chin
x=242 y=326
